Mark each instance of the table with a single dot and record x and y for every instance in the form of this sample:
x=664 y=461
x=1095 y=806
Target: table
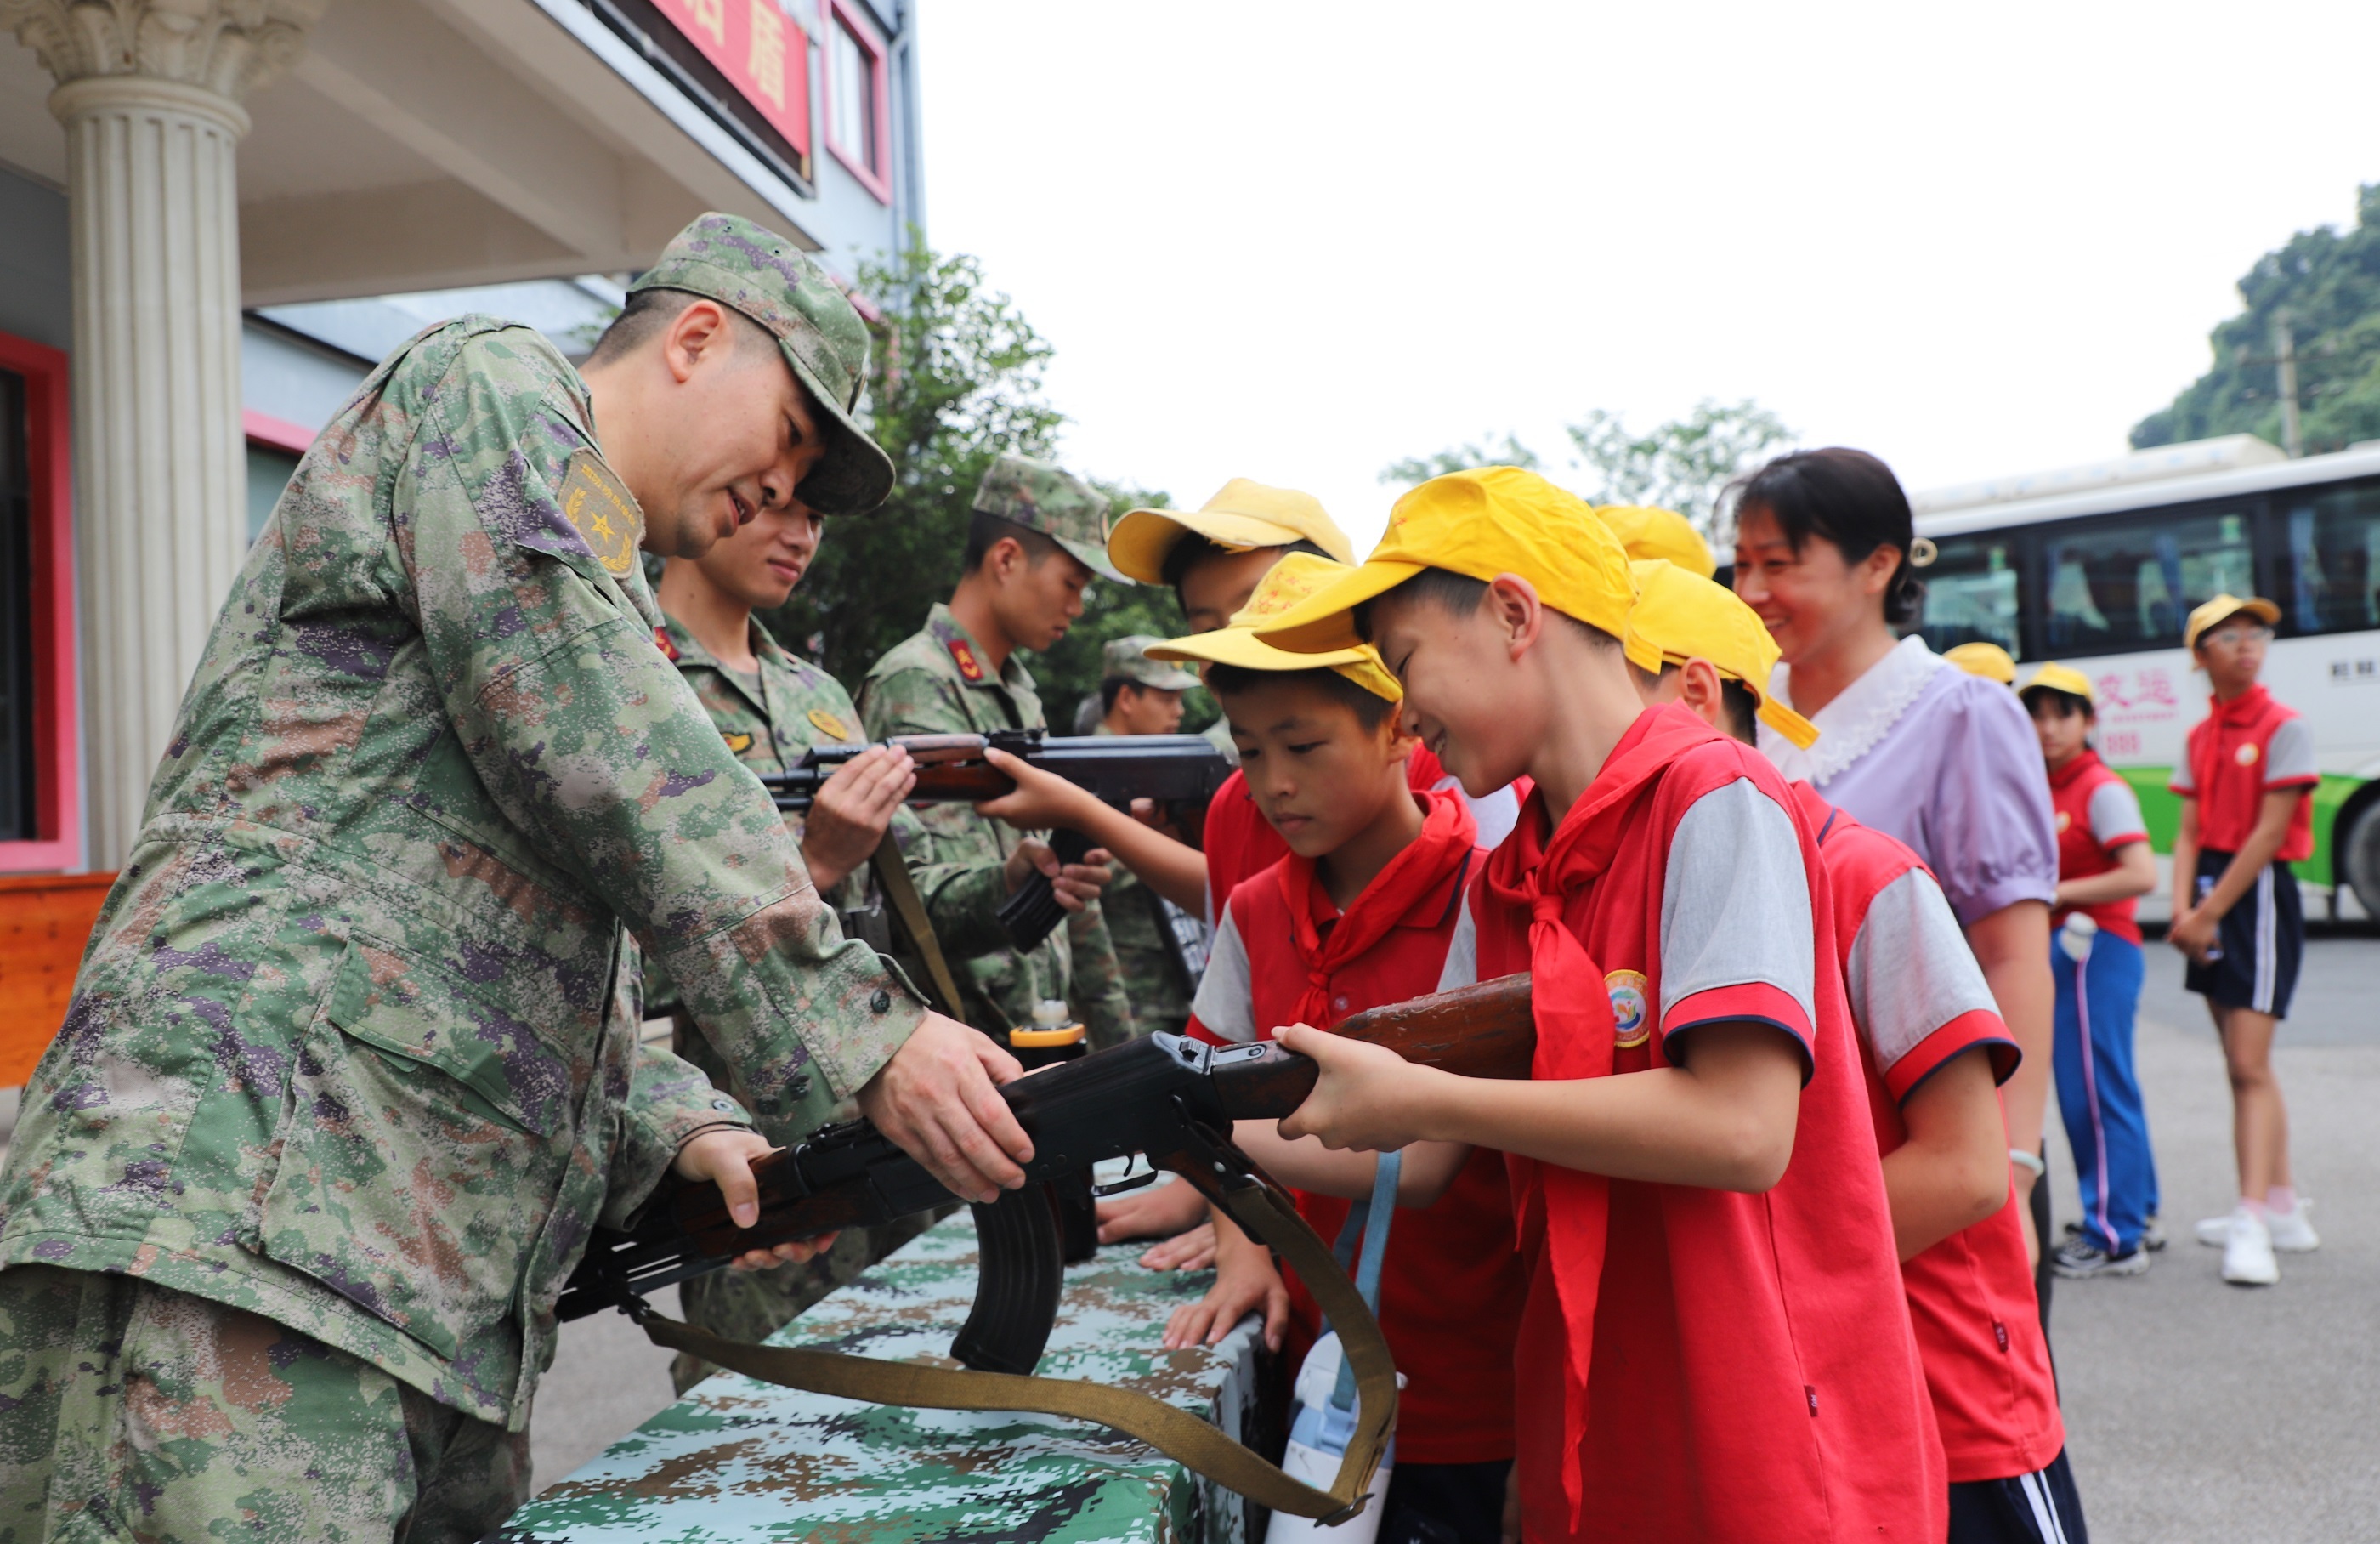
x=738 y=1460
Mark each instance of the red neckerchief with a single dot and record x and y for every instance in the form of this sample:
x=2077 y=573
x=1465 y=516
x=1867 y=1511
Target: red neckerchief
x=2243 y=710
x=1448 y=834
x=2084 y=759
x=1537 y=876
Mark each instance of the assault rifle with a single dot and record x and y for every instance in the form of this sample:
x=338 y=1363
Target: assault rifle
x=1168 y=1097
x=1181 y=770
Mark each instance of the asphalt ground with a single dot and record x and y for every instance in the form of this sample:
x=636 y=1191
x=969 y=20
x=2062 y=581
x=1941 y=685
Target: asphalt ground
x=2195 y=1411
x=2201 y=1412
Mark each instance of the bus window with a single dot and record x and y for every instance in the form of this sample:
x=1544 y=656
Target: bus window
x=1971 y=594
x=2330 y=575
x=2130 y=584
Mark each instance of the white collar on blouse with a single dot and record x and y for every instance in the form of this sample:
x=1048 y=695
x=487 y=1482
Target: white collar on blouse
x=1850 y=726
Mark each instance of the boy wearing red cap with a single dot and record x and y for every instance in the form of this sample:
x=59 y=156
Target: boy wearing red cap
x=1933 y=1047
x=1715 y=1343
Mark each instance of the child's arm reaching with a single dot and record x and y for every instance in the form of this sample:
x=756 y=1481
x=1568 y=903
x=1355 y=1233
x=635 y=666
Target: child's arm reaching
x=1245 y=1281
x=1724 y=1120
x=1306 y=1164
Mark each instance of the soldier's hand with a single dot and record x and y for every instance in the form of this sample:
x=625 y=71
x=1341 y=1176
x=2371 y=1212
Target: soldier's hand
x=1042 y=800
x=938 y=1099
x=725 y=1156
x=852 y=810
x=1078 y=884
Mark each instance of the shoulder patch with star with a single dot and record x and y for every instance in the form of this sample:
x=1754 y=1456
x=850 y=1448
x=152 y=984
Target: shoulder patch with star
x=600 y=509
x=970 y=668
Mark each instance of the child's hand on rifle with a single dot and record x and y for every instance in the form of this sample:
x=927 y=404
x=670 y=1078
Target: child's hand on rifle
x=1042 y=800
x=853 y=809
x=725 y=1155
x=1367 y=1096
x=1244 y=1282
x=1076 y=885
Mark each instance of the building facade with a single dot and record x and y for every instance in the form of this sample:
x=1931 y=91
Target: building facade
x=215 y=216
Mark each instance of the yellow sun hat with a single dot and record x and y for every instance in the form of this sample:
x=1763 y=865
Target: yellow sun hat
x=1481 y=523
x=1241 y=517
x=2053 y=676
x=1290 y=581
x=1684 y=616
x=2223 y=608
x=1987 y=659
x=1647 y=531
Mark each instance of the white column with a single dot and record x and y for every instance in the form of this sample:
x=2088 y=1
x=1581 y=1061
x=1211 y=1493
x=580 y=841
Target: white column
x=150 y=94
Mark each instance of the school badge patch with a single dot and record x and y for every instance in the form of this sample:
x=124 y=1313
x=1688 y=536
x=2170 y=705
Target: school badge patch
x=2246 y=754
x=600 y=509
x=964 y=656
x=740 y=744
x=662 y=641
x=1631 y=1024
x=828 y=724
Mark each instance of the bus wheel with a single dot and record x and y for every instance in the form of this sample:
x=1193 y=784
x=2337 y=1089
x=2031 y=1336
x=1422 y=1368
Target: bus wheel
x=2361 y=860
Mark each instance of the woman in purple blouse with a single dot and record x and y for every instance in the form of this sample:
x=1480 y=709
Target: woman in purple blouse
x=1907 y=743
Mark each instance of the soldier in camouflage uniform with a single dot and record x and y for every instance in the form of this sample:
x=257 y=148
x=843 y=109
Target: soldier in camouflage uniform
x=772 y=707
x=351 y=1067
x=1037 y=539
x=1141 y=695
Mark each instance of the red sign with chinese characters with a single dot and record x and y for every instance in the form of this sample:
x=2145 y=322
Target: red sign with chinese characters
x=763 y=53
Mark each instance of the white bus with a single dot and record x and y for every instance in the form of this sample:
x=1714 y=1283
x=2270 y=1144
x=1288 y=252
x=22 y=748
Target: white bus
x=2098 y=566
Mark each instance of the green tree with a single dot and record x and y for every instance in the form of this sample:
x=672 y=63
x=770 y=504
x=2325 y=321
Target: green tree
x=1681 y=465
x=955 y=380
x=1421 y=468
x=2324 y=284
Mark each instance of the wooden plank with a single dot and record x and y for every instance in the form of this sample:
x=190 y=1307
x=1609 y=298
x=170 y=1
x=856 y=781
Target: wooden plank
x=45 y=920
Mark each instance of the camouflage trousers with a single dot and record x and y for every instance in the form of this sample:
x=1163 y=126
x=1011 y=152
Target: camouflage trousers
x=754 y=1305
x=133 y=1412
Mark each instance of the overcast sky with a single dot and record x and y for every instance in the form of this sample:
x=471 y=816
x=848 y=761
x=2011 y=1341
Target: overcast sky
x=1297 y=241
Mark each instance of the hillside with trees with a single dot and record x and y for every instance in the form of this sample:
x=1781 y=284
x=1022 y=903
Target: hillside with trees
x=2324 y=287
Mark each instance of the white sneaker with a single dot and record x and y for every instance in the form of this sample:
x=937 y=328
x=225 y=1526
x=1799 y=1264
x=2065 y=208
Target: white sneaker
x=2248 y=1254
x=2292 y=1233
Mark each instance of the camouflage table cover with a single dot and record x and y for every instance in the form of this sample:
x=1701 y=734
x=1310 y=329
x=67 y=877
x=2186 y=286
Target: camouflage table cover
x=740 y=1459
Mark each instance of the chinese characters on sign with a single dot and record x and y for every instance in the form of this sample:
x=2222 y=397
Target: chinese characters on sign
x=2143 y=696
x=763 y=53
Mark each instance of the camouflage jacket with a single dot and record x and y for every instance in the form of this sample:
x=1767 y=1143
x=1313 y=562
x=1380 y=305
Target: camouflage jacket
x=349 y=1047
x=935 y=683
x=770 y=720
x=1151 y=970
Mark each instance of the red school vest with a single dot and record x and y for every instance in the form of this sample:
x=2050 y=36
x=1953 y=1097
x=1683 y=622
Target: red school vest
x=1240 y=842
x=2229 y=750
x=1696 y=1363
x=1971 y=1299
x=2079 y=853
x=1450 y=1286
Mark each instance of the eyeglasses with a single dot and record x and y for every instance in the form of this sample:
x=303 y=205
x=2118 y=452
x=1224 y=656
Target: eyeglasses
x=2234 y=636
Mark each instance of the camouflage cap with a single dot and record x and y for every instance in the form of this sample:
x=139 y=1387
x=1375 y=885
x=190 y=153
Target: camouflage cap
x=728 y=259
x=1046 y=498
x=1124 y=660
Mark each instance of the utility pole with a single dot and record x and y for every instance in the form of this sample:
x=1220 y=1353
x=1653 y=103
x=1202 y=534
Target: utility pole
x=2285 y=358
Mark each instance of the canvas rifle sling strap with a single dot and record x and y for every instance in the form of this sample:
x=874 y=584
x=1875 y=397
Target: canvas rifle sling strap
x=900 y=892
x=1256 y=1205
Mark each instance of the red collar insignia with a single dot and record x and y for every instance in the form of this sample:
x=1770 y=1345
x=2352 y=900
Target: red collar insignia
x=662 y=641
x=969 y=666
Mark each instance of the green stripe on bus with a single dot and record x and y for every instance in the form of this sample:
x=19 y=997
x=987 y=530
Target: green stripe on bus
x=2161 y=812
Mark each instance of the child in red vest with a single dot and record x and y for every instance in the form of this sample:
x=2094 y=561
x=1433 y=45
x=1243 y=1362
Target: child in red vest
x=1714 y=1343
x=2103 y=867
x=1933 y=1047
x=2246 y=786
x=1359 y=911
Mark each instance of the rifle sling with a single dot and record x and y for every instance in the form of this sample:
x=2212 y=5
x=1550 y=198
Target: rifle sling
x=1259 y=1207
x=901 y=891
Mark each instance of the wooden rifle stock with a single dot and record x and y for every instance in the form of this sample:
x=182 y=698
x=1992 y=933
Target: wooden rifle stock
x=1483 y=1030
